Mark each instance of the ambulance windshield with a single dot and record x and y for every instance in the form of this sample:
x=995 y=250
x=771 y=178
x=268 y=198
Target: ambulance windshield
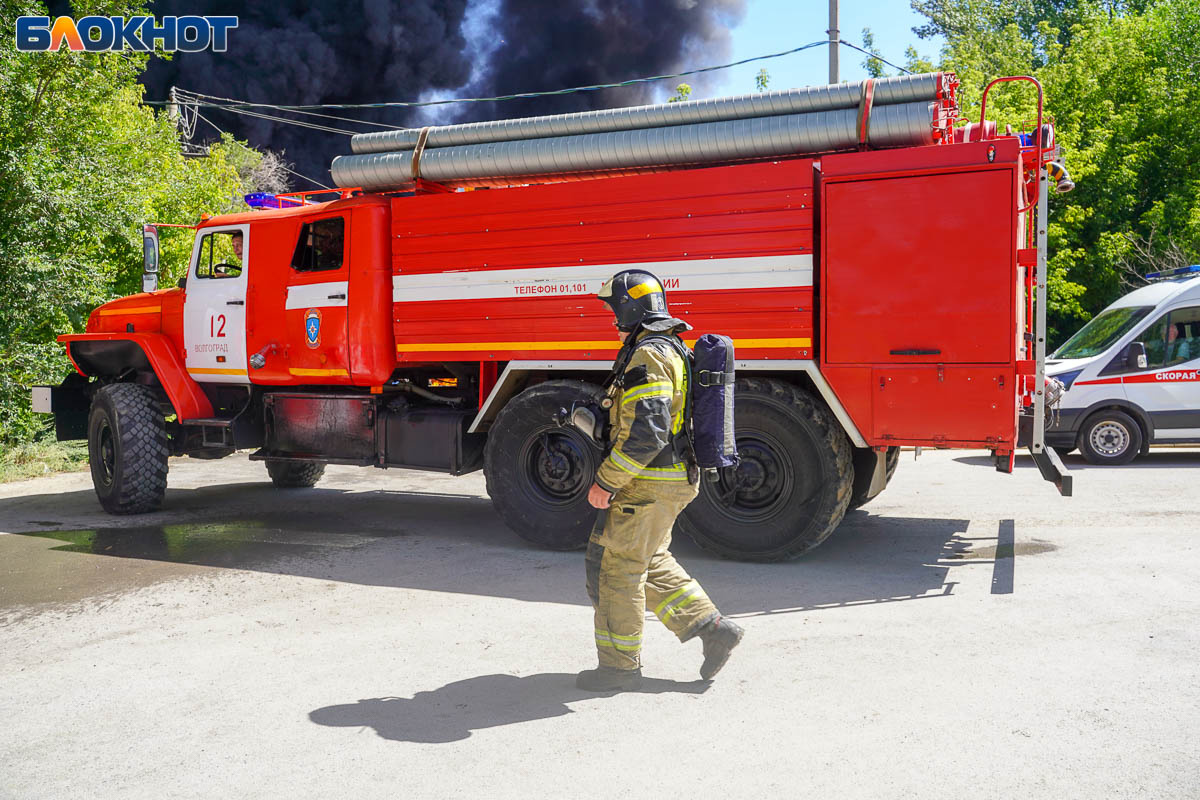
x=1096 y=337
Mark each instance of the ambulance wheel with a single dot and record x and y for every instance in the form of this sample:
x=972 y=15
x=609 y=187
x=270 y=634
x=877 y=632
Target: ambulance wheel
x=294 y=474
x=1110 y=437
x=793 y=484
x=127 y=449
x=538 y=474
x=862 y=483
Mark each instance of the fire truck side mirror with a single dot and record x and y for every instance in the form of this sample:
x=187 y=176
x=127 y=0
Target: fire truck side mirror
x=149 y=258
x=1135 y=356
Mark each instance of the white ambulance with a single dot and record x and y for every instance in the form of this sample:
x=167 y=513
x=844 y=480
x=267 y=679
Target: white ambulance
x=1132 y=373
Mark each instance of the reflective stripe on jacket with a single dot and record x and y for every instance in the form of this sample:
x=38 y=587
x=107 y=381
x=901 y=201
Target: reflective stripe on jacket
x=645 y=414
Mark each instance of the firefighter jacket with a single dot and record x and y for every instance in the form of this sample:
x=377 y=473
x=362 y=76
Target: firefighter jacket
x=647 y=414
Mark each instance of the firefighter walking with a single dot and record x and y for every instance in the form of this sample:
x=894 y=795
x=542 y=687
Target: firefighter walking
x=641 y=487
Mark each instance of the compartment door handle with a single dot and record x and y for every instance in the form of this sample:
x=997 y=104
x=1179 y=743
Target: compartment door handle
x=915 y=352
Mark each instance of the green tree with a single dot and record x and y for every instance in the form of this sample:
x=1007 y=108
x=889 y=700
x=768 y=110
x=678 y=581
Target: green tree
x=682 y=92
x=1122 y=82
x=762 y=80
x=871 y=63
x=83 y=164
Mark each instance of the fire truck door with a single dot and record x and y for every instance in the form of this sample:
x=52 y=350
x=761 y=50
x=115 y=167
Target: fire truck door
x=214 y=308
x=318 y=295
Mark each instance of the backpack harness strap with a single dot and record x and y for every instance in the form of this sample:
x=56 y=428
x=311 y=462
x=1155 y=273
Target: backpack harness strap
x=680 y=448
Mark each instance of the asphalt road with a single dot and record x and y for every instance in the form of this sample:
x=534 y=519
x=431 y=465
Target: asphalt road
x=968 y=634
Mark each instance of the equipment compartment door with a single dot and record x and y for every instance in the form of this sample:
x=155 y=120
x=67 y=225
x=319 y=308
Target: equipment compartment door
x=317 y=299
x=943 y=404
x=920 y=269
x=214 y=308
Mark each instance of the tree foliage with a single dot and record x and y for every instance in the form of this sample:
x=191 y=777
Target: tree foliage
x=83 y=164
x=872 y=64
x=682 y=92
x=1122 y=84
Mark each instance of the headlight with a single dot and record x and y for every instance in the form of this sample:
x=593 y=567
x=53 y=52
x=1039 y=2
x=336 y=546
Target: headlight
x=1067 y=378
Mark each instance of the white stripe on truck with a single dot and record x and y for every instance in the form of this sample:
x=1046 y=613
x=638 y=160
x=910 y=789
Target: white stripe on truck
x=701 y=274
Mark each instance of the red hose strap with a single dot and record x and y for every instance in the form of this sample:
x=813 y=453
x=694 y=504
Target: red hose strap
x=417 y=151
x=864 y=111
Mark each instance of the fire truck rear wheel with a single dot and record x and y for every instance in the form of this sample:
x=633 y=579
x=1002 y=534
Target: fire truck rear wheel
x=538 y=473
x=792 y=487
x=127 y=448
x=1110 y=437
x=294 y=474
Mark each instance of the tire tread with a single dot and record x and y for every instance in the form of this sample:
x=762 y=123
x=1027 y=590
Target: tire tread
x=499 y=476
x=802 y=404
x=294 y=474
x=142 y=434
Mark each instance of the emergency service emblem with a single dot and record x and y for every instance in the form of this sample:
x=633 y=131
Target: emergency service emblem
x=312 y=328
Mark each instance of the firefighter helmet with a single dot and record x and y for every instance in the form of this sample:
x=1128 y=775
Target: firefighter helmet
x=637 y=299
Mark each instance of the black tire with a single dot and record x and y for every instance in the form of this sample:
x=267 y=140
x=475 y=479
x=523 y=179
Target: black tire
x=1063 y=452
x=862 y=483
x=127 y=449
x=1110 y=437
x=792 y=487
x=294 y=474
x=538 y=474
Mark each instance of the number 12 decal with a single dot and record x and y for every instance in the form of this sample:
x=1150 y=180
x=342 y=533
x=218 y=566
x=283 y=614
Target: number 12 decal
x=216 y=326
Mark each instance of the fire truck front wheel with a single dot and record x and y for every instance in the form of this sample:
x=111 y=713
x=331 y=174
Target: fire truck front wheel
x=792 y=487
x=294 y=474
x=127 y=449
x=538 y=473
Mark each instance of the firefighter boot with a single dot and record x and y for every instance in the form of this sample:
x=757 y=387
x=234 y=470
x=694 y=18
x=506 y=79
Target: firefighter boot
x=609 y=679
x=719 y=637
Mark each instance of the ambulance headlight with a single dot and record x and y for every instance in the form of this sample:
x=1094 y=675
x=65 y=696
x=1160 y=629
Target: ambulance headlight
x=1067 y=378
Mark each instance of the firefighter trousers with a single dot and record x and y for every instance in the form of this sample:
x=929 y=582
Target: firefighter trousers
x=630 y=569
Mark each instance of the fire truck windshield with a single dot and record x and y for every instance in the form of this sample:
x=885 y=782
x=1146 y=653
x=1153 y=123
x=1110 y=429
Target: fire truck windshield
x=1104 y=329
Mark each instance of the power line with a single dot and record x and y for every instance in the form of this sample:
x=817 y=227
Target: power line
x=224 y=101
x=242 y=104
x=285 y=166
x=197 y=99
x=284 y=120
x=875 y=56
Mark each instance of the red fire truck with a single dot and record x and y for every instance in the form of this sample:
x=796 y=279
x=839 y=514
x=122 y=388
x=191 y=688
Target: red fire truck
x=877 y=298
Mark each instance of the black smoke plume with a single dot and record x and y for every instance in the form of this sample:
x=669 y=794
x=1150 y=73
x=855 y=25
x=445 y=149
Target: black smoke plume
x=295 y=52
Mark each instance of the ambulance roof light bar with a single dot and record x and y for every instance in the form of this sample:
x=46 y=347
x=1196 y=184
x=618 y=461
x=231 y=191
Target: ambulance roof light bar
x=1173 y=273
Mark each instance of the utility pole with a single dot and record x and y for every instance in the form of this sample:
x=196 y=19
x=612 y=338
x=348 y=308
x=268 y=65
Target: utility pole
x=173 y=105
x=834 y=37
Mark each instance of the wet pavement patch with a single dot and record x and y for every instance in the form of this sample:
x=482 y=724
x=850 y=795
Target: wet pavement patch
x=1005 y=550
x=66 y=566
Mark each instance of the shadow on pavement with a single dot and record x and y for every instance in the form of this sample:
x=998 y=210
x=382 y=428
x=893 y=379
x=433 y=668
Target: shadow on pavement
x=437 y=542
x=451 y=713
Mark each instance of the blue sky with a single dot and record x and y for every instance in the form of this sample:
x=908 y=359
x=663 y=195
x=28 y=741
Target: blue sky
x=771 y=26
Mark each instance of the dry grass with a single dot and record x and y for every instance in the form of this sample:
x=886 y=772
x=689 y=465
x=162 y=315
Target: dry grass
x=35 y=459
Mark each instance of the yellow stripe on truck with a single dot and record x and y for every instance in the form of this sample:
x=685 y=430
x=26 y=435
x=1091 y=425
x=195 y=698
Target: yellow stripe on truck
x=112 y=312
x=457 y=346
x=319 y=373
x=214 y=371
x=453 y=347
